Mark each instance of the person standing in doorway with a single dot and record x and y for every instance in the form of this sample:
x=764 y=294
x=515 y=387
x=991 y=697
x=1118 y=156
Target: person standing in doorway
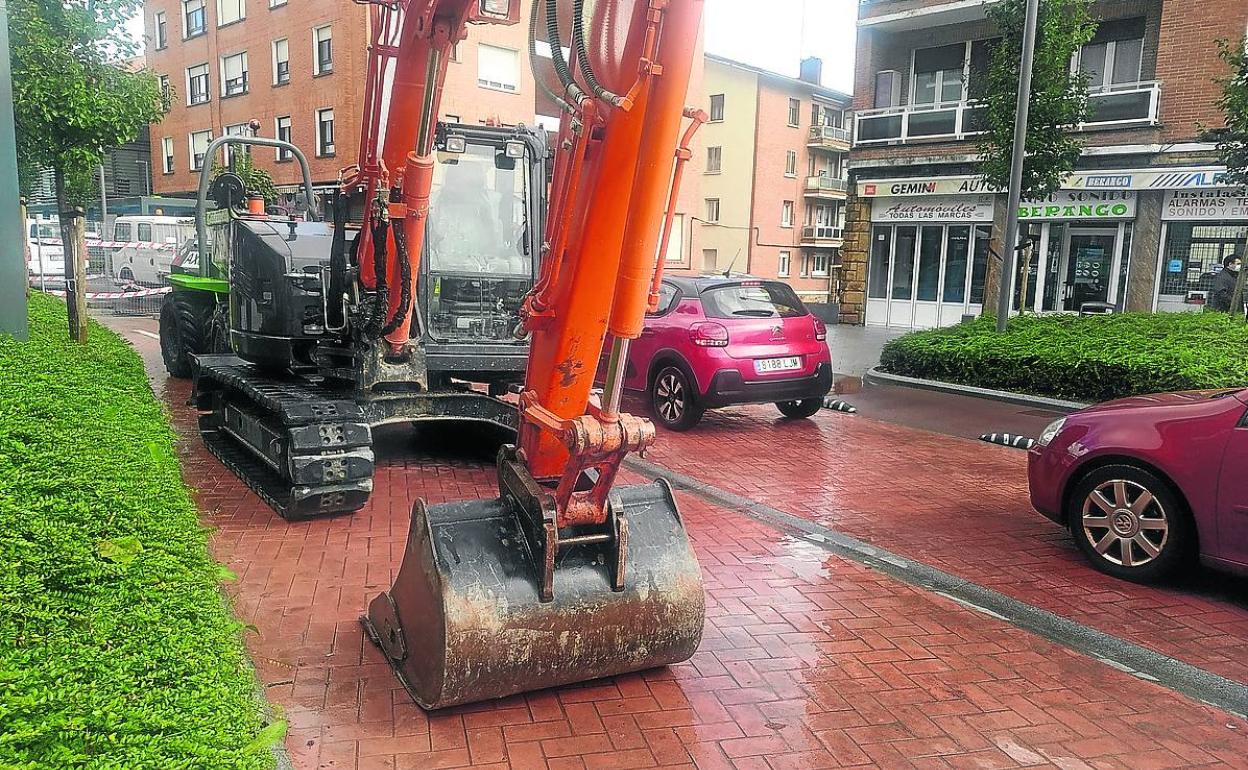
x=1224 y=286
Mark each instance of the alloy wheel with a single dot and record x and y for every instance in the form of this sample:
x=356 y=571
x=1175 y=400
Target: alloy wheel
x=671 y=395
x=1125 y=523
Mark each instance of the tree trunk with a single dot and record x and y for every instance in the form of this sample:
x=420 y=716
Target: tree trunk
x=1024 y=279
x=74 y=240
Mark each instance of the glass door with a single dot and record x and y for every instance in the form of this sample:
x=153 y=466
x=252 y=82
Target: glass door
x=901 y=300
x=1086 y=272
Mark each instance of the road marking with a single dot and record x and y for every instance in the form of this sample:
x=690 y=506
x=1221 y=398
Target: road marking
x=146 y=333
x=1141 y=662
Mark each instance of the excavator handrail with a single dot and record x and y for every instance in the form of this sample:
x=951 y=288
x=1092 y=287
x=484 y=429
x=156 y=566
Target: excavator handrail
x=201 y=198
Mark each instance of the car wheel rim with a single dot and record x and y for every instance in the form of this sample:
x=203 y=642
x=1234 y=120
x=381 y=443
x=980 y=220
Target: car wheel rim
x=671 y=397
x=1125 y=523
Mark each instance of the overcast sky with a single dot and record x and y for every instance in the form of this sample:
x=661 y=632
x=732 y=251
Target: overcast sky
x=778 y=34
x=772 y=34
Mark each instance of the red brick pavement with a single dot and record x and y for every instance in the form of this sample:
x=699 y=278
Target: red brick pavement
x=808 y=661
x=961 y=506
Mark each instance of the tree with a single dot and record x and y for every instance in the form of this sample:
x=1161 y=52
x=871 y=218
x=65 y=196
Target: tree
x=1059 y=98
x=1232 y=139
x=73 y=101
x=256 y=180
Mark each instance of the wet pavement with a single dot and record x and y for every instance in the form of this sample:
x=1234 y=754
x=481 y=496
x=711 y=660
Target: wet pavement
x=808 y=659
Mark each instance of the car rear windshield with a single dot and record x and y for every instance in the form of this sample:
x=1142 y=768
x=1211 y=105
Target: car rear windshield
x=752 y=300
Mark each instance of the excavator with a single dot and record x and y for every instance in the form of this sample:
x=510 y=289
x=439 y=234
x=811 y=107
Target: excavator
x=566 y=575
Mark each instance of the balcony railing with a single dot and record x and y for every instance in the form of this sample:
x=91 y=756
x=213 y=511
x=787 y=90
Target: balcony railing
x=822 y=233
x=1124 y=104
x=829 y=186
x=830 y=137
x=899 y=125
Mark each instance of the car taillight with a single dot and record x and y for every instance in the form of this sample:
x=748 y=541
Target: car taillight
x=821 y=330
x=709 y=335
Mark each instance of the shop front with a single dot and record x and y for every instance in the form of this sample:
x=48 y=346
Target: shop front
x=1199 y=229
x=1081 y=242
x=928 y=259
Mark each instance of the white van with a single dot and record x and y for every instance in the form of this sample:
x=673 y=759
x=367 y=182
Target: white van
x=144 y=247
x=47 y=255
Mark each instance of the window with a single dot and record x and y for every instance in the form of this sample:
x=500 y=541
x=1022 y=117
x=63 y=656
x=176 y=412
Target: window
x=676 y=244
x=234 y=74
x=938 y=74
x=162 y=31
x=237 y=129
x=717 y=108
x=197 y=84
x=819 y=264
x=166 y=93
x=795 y=112
x=194 y=18
x=785 y=264
x=449 y=118
x=790 y=163
x=712 y=210
x=667 y=295
x=166 y=153
x=325 y=132
x=323 y=50
x=281 y=62
x=282 y=132
x=710 y=260
x=276 y=3
x=786 y=214
x=770 y=299
x=887 y=89
x=122 y=232
x=230 y=11
x=199 y=147
x=714 y=159
x=1115 y=55
x=144 y=232
x=498 y=68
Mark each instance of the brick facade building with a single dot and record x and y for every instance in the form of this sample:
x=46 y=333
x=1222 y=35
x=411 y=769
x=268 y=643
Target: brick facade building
x=1141 y=225
x=298 y=66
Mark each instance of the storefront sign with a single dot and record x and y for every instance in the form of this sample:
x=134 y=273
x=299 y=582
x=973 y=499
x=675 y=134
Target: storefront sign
x=934 y=209
x=1081 y=204
x=1206 y=205
x=1129 y=179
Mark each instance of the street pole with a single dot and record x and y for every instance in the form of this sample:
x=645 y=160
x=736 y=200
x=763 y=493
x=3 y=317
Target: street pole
x=103 y=204
x=1006 y=284
x=13 y=313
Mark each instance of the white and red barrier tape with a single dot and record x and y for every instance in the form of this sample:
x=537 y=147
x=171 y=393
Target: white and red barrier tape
x=118 y=294
x=114 y=244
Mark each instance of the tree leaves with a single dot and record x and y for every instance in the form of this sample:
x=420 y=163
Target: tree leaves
x=1059 y=98
x=1232 y=139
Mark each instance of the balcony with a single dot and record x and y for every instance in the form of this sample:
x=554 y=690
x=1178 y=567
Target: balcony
x=830 y=138
x=924 y=122
x=822 y=235
x=822 y=186
x=1124 y=105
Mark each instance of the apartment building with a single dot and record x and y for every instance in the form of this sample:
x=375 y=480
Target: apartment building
x=1141 y=225
x=298 y=66
x=774 y=180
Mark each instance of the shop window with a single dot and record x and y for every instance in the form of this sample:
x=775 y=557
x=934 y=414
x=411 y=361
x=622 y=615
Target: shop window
x=1193 y=257
x=877 y=271
x=903 y=263
x=928 y=284
x=957 y=257
x=979 y=267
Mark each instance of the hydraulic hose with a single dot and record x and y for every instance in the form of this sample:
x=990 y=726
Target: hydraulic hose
x=533 y=63
x=574 y=91
x=405 y=283
x=337 y=266
x=582 y=57
x=382 y=296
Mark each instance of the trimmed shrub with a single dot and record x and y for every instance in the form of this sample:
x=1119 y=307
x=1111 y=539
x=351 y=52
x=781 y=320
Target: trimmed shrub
x=117 y=648
x=1085 y=358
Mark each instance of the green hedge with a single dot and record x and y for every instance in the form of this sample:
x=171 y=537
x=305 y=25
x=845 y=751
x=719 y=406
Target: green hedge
x=1088 y=358
x=117 y=649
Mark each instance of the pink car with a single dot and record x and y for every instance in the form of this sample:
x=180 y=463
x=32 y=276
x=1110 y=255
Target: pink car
x=1147 y=484
x=717 y=341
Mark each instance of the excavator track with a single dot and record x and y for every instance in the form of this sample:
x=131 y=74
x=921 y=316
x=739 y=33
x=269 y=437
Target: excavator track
x=304 y=447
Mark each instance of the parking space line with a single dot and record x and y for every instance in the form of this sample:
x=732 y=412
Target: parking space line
x=1141 y=662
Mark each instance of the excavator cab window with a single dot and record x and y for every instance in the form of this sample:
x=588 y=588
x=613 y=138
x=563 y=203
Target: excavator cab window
x=479 y=261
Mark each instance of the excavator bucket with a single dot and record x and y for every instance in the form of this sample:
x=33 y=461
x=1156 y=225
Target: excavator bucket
x=473 y=617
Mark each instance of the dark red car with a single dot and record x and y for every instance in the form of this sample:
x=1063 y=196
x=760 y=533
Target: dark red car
x=1148 y=484
x=717 y=341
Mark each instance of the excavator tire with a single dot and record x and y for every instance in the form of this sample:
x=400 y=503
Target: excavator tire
x=464 y=621
x=185 y=329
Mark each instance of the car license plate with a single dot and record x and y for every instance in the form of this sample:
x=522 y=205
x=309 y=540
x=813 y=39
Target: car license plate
x=764 y=365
